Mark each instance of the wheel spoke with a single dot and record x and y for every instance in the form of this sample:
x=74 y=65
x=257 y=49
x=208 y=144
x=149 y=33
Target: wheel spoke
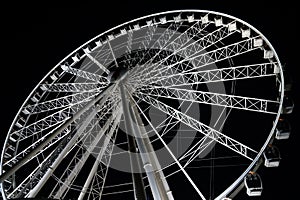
x=61 y=102
x=174 y=78
x=59 y=155
x=231 y=101
x=103 y=156
x=173 y=156
x=60 y=190
x=199 y=61
x=70 y=87
x=85 y=74
x=44 y=124
x=161 y=41
x=20 y=189
x=176 y=45
x=207 y=131
x=53 y=134
x=94 y=60
x=191 y=48
x=103 y=55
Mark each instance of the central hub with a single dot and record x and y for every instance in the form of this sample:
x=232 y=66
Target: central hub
x=117 y=74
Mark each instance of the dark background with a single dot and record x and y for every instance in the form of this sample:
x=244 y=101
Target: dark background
x=34 y=39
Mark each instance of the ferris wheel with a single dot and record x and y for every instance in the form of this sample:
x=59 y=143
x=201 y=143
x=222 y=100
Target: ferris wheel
x=187 y=100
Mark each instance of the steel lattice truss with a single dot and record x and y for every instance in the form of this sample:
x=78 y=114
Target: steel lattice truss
x=189 y=76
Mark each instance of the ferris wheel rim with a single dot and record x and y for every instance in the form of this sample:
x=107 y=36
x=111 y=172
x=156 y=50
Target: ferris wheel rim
x=158 y=14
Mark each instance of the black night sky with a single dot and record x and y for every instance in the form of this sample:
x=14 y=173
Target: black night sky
x=34 y=39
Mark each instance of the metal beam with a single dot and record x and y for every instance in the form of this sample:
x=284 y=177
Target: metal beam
x=39 y=147
x=147 y=164
x=100 y=155
x=173 y=156
x=204 y=59
x=79 y=162
x=216 y=99
x=163 y=184
x=164 y=43
x=61 y=102
x=33 y=192
x=172 y=77
x=86 y=75
x=96 y=62
x=138 y=184
x=195 y=47
x=202 y=128
x=70 y=87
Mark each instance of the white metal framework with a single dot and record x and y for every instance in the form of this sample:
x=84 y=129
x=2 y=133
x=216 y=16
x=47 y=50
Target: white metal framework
x=187 y=96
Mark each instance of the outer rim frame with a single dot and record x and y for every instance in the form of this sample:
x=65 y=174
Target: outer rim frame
x=281 y=87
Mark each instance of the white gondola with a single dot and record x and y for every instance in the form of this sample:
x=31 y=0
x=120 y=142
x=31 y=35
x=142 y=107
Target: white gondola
x=149 y=23
x=110 y=37
x=98 y=43
x=257 y=42
x=177 y=19
x=245 y=32
x=124 y=31
x=204 y=19
x=232 y=26
x=272 y=156
x=163 y=20
x=218 y=21
x=268 y=54
x=20 y=122
x=36 y=97
x=253 y=184
x=136 y=27
x=191 y=18
x=54 y=76
x=283 y=129
x=26 y=111
x=76 y=58
x=287 y=105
